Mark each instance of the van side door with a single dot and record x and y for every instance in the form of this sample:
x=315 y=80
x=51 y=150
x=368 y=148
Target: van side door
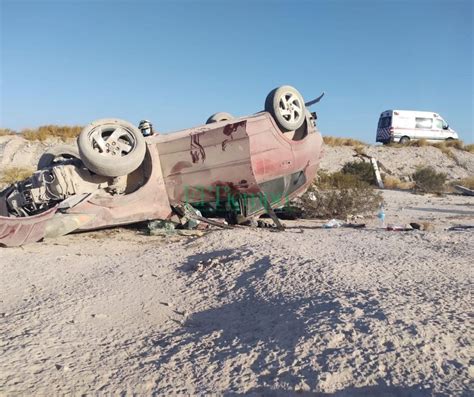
x=424 y=128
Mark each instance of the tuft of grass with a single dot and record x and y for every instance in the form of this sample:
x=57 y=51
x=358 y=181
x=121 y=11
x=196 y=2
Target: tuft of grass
x=427 y=180
x=51 y=131
x=6 y=131
x=392 y=182
x=15 y=174
x=466 y=182
x=336 y=141
x=469 y=148
x=442 y=145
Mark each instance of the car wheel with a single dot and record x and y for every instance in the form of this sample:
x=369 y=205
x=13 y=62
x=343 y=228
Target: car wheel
x=404 y=140
x=221 y=116
x=286 y=105
x=111 y=147
x=58 y=154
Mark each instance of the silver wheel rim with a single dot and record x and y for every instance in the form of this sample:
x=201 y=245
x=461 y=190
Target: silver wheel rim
x=290 y=107
x=112 y=141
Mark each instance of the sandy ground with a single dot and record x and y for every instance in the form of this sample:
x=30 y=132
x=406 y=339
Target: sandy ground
x=321 y=312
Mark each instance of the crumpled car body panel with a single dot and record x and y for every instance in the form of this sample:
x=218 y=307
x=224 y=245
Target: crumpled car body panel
x=241 y=157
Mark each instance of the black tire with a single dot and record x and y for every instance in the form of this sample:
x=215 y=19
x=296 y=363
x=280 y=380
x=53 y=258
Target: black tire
x=221 y=116
x=404 y=140
x=58 y=154
x=111 y=147
x=286 y=105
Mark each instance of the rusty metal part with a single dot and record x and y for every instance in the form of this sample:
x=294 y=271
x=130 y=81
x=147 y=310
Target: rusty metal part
x=15 y=231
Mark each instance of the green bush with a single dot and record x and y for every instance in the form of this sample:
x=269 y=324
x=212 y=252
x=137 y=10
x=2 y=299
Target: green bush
x=338 y=195
x=363 y=170
x=427 y=180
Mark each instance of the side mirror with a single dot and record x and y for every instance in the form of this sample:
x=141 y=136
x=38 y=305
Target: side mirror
x=445 y=126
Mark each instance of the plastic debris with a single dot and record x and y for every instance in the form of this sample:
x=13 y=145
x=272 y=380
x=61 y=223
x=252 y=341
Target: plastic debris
x=399 y=228
x=333 y=223
x=381 y=216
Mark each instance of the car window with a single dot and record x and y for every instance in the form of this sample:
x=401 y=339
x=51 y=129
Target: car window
x=438 y=124
x=421 y=122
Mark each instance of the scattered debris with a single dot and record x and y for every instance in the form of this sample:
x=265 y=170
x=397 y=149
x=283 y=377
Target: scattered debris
x=461 y=228
x=399 y=228
x=425 y=226
x=159 y=228
x=464 y=190
x=187 y=212
x=333 y=223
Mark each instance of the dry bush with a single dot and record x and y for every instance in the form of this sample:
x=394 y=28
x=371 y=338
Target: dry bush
x=427 y=180
x=6 y=131
x=15 y=174
x=339 y=195
x=418 y=143
x=51 y=131
x=392 y=182
x=442 y=145
x=466 y=182
x=335 y=141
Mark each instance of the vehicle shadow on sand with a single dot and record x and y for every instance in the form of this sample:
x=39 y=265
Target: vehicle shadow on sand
x=263 y=331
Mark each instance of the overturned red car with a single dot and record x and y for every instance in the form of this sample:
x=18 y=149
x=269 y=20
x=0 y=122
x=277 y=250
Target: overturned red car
x=118 y=176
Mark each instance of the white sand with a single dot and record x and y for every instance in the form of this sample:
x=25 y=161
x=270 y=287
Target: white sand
x=350 y=312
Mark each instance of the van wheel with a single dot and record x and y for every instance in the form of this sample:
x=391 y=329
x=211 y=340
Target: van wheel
x=404 y=140
x=450 y=139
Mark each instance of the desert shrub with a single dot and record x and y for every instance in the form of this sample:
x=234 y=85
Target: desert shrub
x=466 y=182
x=392 y=182
x=15 y=174
x=418 y=143
x=363 y=170
x=6 y=131
x=428 y=180
x=51 y=131
x=339 y=195
x=444 y=146
x=335 y=141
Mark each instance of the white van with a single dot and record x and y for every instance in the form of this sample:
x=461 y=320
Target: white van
x=405 y=125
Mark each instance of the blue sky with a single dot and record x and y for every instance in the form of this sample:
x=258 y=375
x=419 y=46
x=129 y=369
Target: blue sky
x=177 y=62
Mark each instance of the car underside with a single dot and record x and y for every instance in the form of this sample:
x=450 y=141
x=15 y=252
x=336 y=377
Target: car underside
x=245 y=166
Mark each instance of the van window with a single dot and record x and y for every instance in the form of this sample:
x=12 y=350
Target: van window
x=421 y=122
x=438 y=124
x=385 y=122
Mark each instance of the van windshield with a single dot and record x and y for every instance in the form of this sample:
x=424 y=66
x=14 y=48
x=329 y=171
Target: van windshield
x=385 y=122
